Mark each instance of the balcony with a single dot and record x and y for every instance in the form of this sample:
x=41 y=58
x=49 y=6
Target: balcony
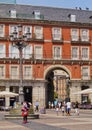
x=81 y=40
x=56 y=38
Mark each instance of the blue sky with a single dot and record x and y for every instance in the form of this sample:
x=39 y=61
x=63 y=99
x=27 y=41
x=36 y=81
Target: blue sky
x=59 y=3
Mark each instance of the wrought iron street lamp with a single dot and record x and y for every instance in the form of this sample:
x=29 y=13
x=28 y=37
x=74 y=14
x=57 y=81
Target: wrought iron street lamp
x=20 y=41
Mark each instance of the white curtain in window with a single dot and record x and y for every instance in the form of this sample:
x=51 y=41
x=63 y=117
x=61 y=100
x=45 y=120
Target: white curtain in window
x=2 y=72
x=74 y=35
x=27 y=72
x=85 y=54
x=84 y=35
x=2 y=51
x=38 y=32
x=13 y=52
x=14 y=72
x=75 y=54
x=27 y=52
x=1 y=30
x=57 y=53
x=56 y=32
x=27 y=29
x=85 y=72
x=38 y=52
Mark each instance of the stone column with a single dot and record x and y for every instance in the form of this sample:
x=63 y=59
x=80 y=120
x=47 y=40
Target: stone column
x=39 y=95
x=7 y=99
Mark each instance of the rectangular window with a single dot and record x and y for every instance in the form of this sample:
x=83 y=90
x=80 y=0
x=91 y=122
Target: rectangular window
x=2 y=72
x=14 y=72
x=85 y=72
x=27 y=29
x=38 y=52
x=74 y=34
x=13 y=28
x=73 y=18
x=56 y=33
x=2 y=29
x=37 y=14
x=84 y=35
x=27 y=52
x=85 y=53
x=27 y=72
x=57 y=52
x=38 y=32
x=75 y=53
x=13 y=52
x=2 y=51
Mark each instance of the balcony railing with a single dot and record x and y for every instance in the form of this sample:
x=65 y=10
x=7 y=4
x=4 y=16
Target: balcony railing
x=45 y=56
x=80 y=39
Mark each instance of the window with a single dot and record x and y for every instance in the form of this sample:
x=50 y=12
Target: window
x=27 y=52
x=27 y=72
x=27 y=29
x=75 y=53
x=56 y=33
x=38 y=52
x=73 y=18
x=13 y=13
x=2 y=72
x=38 y=30
x=2 y=27
x=13 y=52
x=85 y=72
x=74 y=34
x=13 y=28
x=85 y=53
x=84 y=35
x=37 y=14
x=14 y=72
x=57 y=52
x=2 y=51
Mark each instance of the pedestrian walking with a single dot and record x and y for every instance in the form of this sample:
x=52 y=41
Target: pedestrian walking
x=24 y=112
x=68 y=104
x=36 y=106
x=63 y=109
x=76 y=108
x=57 y=110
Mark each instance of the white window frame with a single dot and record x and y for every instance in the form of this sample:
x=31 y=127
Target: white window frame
x=2 y=31
x=74 y=34
x=27 y=29
x=84 y=56
x=3 y=51
x=73 y=18
x=84 y=35
x=75 y=56
x=56 y=56
x=39 y=54
x=56 y=33
x=27 y=52
x=11 y=29
x=29 y=73
x=13 y=53
x=38 y=32
x=2 y=74
x=37 y=14
x=85 y=75
x=16 y=75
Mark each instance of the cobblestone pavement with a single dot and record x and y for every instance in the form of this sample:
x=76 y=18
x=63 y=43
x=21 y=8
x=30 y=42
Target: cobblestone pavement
x=50 y=121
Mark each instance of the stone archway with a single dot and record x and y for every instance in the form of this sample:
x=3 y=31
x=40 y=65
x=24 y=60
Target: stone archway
x=49 y=75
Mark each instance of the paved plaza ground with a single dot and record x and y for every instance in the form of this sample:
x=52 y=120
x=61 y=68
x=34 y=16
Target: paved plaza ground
x=50 y=121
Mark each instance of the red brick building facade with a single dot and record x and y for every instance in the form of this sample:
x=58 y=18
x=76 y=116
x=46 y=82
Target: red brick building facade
x=60 y=39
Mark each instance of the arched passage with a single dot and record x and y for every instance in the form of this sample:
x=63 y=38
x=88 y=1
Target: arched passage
x=57 y=87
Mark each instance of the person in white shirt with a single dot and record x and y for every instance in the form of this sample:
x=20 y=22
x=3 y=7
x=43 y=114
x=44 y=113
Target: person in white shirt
x=68 y=104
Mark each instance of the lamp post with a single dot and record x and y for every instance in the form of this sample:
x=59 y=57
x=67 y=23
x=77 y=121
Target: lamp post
x=20 y=41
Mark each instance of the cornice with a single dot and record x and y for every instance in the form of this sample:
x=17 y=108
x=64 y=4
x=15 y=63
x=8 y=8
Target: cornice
x=45 y=22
